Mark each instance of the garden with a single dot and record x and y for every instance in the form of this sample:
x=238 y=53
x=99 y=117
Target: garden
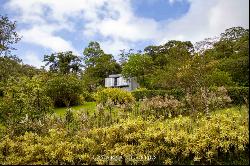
x=192 y=107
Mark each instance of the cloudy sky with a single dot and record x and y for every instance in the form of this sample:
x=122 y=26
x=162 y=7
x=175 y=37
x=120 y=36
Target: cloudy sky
x=48 y=26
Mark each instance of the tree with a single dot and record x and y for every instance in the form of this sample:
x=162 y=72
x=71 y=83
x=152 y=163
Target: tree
x=197 y=75
x=64 y=90
x=232 y=50
x=11 y=66
x=234 y=33
x=92 y=53
x=166 y=60
x=8 y=35
x=98 y=66
x=63 y=62
x=138 y=66
x=24 y=97
x=124 y=56
x=170 y=53
x=206 y=44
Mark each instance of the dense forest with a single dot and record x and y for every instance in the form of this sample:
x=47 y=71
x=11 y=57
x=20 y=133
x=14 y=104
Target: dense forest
x=191 y=107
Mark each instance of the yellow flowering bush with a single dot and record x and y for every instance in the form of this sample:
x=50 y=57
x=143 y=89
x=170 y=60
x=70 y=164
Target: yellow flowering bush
x=114 y=96
x=223 y=138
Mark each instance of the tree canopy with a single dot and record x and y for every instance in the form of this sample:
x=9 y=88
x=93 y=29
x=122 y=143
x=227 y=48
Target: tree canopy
x=8 y=35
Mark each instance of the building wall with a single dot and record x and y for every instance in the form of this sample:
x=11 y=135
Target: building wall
x=129 y=84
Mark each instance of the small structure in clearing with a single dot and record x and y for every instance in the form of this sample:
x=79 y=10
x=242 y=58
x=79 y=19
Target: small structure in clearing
x=117 y=81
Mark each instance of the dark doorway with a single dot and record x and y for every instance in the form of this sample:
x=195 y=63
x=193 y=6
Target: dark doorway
x=115 y=82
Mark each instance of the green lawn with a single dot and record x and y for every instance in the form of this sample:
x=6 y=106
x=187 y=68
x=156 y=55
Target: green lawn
x=88 y=106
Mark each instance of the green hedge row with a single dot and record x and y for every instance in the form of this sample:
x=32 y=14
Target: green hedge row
x=237 y=94
x=144 y=93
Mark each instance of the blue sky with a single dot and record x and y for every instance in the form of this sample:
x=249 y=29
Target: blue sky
x=49 y=26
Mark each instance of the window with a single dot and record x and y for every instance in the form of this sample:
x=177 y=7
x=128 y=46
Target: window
x=109 y=82
x=115 y=81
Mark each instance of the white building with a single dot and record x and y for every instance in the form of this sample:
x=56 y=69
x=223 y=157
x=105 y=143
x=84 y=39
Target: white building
x=117 y=81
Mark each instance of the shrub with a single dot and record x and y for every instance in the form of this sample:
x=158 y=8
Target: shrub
x=24 y=97
x=65 y=90
x=212 y=99
x=239 y=95
x=161 y=106
x=144 y=93
x=221 y=139
x=88 y=96
x=114 y=96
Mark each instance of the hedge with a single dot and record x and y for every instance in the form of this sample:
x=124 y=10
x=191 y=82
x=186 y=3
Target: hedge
x=144 y=93
x=116 y=95
x=237 y=94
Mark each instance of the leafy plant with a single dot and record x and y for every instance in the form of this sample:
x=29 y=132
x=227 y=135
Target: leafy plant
x=114 y=96
x=65 y=90
x=161 y=106
x=24 y=97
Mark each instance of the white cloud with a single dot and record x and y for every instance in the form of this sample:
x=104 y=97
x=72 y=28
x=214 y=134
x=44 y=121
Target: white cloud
x=114 y=46
x=116 y=25
x=44 y=37
x=208 y=19
x=132 y=30
x=32 y=59
x=173 y=1
x=203 y=19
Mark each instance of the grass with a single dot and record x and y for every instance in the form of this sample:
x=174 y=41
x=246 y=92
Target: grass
x=88 y=106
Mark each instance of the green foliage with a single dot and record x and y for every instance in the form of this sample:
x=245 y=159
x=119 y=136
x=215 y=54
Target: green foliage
x=144 y=93
x=114 y=95
x=176 y=65
x=138 y=66
x=98 y=66
x=206 y=100
x=219 y=78
x=232 y=50
x=161 y=106
x=24 y=97
x=238 y=68
x=12 y=66
x=88 y=96
x=69 y=116
x=200 y=72
x=63 y=62
x=239 y=95
x=166 y=61
x=172 y=52
x=221 y=139
x=8 y=35
x=65 y=90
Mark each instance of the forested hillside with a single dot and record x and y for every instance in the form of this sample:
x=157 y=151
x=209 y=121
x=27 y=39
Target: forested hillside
x=191 y=107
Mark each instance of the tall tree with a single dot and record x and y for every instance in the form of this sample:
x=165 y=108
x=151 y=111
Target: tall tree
x=8 y=35
x=63 y=62
x=232 y=50
x=124 y=56
x=138 y=66
x=172 y=52
x=166 y=59
x=98 y=65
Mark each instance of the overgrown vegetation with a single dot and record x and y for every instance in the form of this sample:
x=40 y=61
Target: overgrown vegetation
x=184 y=113
x=221 y=139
